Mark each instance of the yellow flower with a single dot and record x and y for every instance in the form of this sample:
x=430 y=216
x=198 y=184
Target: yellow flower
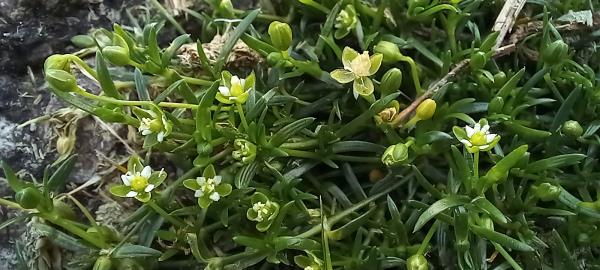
x=358 y=68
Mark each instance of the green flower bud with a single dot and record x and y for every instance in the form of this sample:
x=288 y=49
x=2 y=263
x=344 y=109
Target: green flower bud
x=547 y=192
x=391 y=81
x=61 y=80
x=395 y=155
x=500 y=79
x=555 y=52
x=417 y=262
x=83 y=41
x=58 y=61
x=496 y=105
x=572 y=128
x=116 y=55
x=478 y=60
x=103 y=263
x=390 y=51
x=281 y=35
x=28 y=198
x=426 y=109
x=226 y=8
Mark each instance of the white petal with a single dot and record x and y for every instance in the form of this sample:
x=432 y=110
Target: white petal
x=160 y=136
x=198 y=193
x=483 y=147
x=126 y=179
x=490 y=137
x=146 y=132
x=146 y=172
x=485 y=128
x=215 y=196
x=224 y=91
x=466 y=142
x=235 y=80
x=217 y=180
x=477 y=127
x=149 y=188
x=469 y=131
x=131 y=194
x=355 y=94
x=201 y=180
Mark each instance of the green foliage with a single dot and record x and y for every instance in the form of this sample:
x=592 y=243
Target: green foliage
x=492 y=165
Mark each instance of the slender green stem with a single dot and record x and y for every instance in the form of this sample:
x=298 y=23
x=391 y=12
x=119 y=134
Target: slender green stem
x=240 y=110
x=10 y=204
x=316 y=5
x=476 y=165
x=507 y=256
x=428 y=237
x=197 y=81
x=165 y=215
x=414 y=73
x=110 y=100
x=261 y=16
x=92 y=239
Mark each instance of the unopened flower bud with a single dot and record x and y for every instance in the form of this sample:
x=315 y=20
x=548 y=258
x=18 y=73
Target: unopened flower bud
x=547 y=192
x=500 y=79
x=478 y=60
x=496 y=105
x=116 y=55
x=426 y=109
x=57 y=61
x=61 y=80
x=395 y=155
x=281 y=35
x=390 y=51
x=28 y=198
x=83 y=41
x=226 y=8
x=572 y=128
x=391 y=81
x=417 y=262
x=555 y=52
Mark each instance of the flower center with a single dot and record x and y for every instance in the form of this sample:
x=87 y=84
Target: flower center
x=139 y=183
x=478 y=138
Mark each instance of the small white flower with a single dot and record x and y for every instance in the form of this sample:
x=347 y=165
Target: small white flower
x=207 y=186
x=479 y=136
x=138 y=181
x=158 y=125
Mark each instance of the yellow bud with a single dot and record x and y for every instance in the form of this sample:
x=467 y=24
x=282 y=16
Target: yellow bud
x=64 y=145
x=426 y=109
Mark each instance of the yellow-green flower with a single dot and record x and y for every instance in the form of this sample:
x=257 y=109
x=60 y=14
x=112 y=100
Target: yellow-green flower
x=358 y=68
x=234 y=89
x=345 y=22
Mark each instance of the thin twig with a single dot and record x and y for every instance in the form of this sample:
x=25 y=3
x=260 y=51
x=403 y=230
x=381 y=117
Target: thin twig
x=506 y=19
